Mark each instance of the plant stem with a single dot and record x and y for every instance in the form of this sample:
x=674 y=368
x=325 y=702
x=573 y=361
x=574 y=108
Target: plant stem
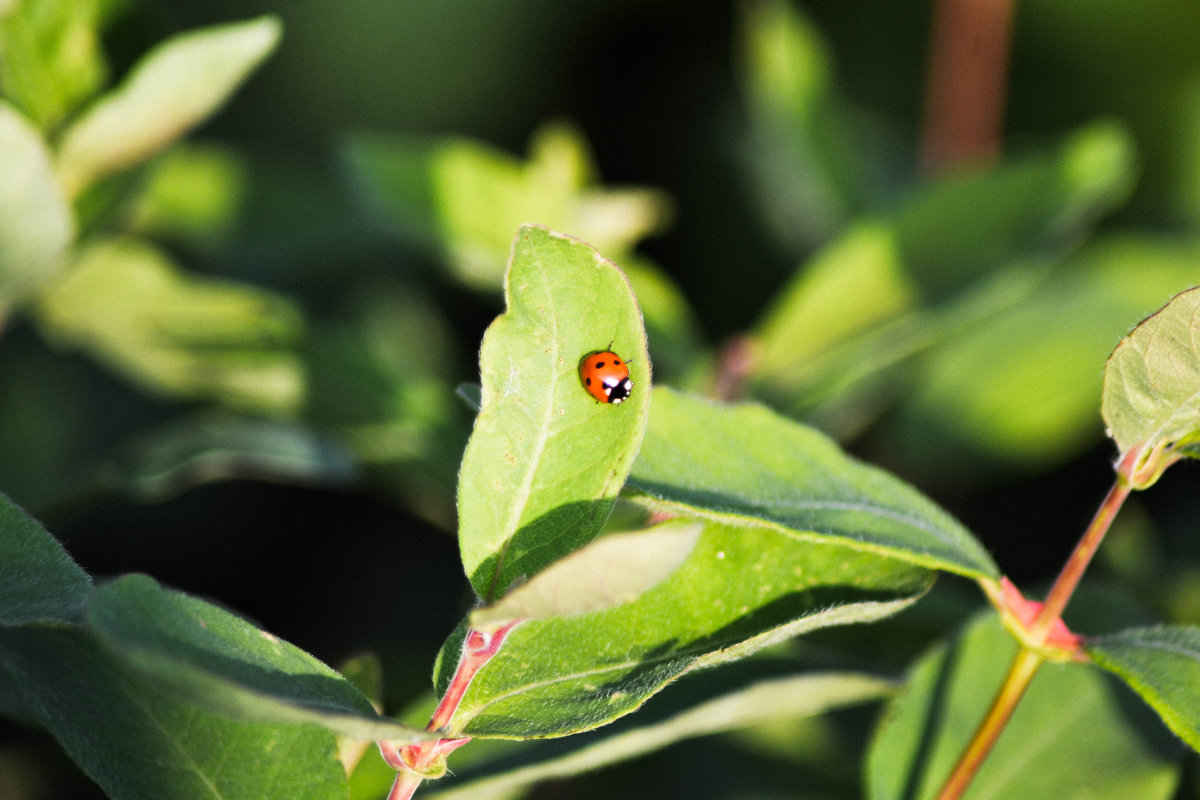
x=1027 y=660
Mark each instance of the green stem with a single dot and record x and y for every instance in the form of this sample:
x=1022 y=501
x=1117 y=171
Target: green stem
x=1027 y=660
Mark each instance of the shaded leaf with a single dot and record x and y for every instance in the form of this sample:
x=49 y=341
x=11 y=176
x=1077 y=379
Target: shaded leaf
x=174 y=87
x=740 y=590
x=139 y=741
x=1162 y=665
x=38 y=580
x=745 y=465
x=757 y=703
x=36 y=224
x=545 y=460
x=223 y=663
x=1152 y=389
x=1073 y=737
x=610 y=571
x=128 y=304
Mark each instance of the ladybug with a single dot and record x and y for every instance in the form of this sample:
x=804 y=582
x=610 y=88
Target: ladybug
x=605 y=376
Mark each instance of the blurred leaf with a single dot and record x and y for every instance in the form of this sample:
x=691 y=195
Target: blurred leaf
x=740 y=590
x=958 y=228
x=466 y=198
x=36 y=225
x=223 y=663
x=211 y=447
x=194 y=191
x=38 y=580
x=1163 y=666
x=1152 y=389
x=545 y=461
x=802 y=151
x=1073 y=737
x=172 y=89
x=757 y=703
x=50 y=58
x=746 y=465
x=605 y=573
x=137 y=740
x=672 y=330
x=1023 y=384
x=853 y=284
x=127 y=304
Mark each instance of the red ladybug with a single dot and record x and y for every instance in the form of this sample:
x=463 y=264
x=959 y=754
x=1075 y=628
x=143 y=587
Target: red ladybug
x=605 y=376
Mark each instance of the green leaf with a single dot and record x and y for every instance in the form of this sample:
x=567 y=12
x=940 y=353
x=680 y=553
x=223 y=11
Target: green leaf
x=466 y=198
x=546 y=460
x=610 y=571
x=1152 y=389
x=50 y=57
x=193 y=450
x=757 y=703
x=962 y=226
x=176 y=86
x=223 y=663
x=802 y=151
x=1073 y=737
x=1162 y=665
x=740 y=590
x=38 y=580
x=139 y=741
x=1022 y=384
x=128 y=304
x=747 y=466
x=36 y=224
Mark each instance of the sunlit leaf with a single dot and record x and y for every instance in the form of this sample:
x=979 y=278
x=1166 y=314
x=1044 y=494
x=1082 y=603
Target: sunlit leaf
x=1152 y=389
x=546 y=460
x=746 y=465
x=173 y=88
x=740 y=590
x=36 y=224
x=128 y=304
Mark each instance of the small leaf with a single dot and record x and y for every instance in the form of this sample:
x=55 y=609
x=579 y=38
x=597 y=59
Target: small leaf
x=740 y=590
x=138 y=741
x=466 y=198
x=172 y=89
x=758 y=703
x=1163 y=666
x=1152 y=390
x=36 y=224
x=225 y=664
x=128 y=304
x=545 y=461
x=1072 y=737
x=38 y=580
x=746 y=465
x=605 y=573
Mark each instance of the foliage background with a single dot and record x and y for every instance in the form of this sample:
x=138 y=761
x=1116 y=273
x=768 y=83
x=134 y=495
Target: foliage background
x=342 y=561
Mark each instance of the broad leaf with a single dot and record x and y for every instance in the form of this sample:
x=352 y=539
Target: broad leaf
x=38 y=580
x=36 y=224
x=545 y=461
x=761 y=702
x=745 y=465
x=173 y=88
x=741 y=589
x=223 y=663
x=1163 y=666
x=1152 y=389
x=139 y=741
x=128 y=304
x=1073 y=737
